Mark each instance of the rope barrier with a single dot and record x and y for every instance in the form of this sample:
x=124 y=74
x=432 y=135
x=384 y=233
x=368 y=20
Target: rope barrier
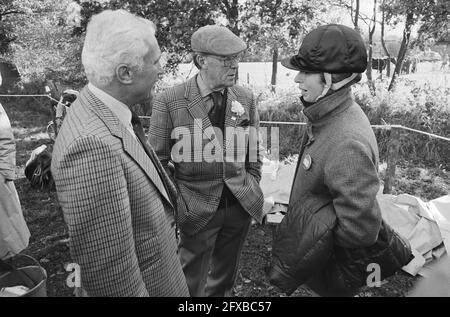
x=386 y=127
x=50 y=97
x=426 y=133
x=283 y=123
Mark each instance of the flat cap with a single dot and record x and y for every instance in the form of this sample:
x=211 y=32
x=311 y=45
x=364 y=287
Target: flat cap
x=216 y=40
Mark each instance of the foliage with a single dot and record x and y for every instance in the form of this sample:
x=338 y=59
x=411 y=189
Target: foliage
x=436 y=22
x=175 y=21
x=282 y=107
x=44 y=47
x=422 y=108
x=410 y=11
x=275 y=24
x=8 y=9
x=419 y=107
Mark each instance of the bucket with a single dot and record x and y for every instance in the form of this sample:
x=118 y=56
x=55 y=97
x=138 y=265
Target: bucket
x=34 y=277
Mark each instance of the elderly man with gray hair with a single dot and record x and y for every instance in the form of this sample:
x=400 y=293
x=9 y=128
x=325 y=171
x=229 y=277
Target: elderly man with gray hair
x=117 y=199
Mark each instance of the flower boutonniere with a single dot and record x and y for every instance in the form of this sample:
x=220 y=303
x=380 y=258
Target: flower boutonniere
x=237 y=109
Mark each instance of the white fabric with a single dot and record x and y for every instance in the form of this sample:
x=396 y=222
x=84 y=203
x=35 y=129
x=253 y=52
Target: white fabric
x=425 y=225
x=344 y=82
x=329 y=84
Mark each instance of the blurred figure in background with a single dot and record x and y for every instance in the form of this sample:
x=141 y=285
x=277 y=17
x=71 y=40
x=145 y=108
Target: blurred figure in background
x=14 y=233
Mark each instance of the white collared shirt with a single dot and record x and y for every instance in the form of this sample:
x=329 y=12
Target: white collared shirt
x=119 y=109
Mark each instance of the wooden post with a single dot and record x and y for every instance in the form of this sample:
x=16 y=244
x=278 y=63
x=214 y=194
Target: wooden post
x=394 y=146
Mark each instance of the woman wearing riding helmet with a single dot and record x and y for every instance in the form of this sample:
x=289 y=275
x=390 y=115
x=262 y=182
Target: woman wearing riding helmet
x=340 y=154
x=333 y=198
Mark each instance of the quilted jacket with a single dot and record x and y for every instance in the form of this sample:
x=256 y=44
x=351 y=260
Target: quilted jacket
x=333 y=225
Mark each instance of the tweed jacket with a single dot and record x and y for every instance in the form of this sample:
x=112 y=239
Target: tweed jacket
x=180 y=111
x=340 y=162
x=115 y=206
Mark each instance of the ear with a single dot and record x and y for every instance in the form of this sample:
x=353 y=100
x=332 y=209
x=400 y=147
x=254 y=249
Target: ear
x=201 y=60
x=124 y=74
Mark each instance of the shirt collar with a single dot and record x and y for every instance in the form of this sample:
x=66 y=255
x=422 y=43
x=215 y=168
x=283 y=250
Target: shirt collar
x=121 y=110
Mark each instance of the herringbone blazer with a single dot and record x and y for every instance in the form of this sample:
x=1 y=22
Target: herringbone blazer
x=115 y=205
x=180 y=124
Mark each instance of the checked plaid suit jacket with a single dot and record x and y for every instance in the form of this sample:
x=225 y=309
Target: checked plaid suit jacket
x=115 y=205
x=180 y=110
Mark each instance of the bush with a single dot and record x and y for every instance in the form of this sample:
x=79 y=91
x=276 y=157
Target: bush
x=283 y=108
x=422 y=108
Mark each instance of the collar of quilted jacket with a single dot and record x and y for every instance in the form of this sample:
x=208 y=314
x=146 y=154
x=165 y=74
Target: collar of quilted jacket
x=329 y=106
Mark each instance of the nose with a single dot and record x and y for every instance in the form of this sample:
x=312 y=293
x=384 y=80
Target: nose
x=298 y=78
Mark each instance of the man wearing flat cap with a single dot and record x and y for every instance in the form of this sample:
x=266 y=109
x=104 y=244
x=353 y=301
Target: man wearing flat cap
x=217 y=168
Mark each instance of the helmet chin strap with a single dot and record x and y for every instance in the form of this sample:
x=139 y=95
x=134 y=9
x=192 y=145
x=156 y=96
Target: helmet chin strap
x=329 y=85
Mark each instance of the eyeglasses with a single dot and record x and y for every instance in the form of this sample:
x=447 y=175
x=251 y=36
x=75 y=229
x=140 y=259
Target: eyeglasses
x=228 y=61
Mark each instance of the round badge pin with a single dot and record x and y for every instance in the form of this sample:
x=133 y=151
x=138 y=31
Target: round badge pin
x=307 y=162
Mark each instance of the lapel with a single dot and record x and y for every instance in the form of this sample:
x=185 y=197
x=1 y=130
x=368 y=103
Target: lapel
x=197 y=109
x=130 y=144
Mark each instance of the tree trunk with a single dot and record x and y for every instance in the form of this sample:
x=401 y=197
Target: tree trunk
x=371 y=32
x=383 y=43
x=394 y=146
x=274 y=67
x=369 y=68
x=231 y=11
x=403 y=49
x=355 y=22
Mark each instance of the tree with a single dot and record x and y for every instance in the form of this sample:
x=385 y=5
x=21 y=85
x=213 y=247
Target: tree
x=383 y=41
x=410 y=12
x=43 y=45
x=372 y=25
x=355 y=16
x=231 y=9
x=8 y=10
x=435 y=22
x=274 y=28
x=175 y=20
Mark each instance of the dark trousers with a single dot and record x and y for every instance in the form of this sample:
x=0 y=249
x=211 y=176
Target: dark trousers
x=210 y=259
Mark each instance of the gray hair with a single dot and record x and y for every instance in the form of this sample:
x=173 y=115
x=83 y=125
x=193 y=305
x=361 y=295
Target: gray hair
x=114 y=38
